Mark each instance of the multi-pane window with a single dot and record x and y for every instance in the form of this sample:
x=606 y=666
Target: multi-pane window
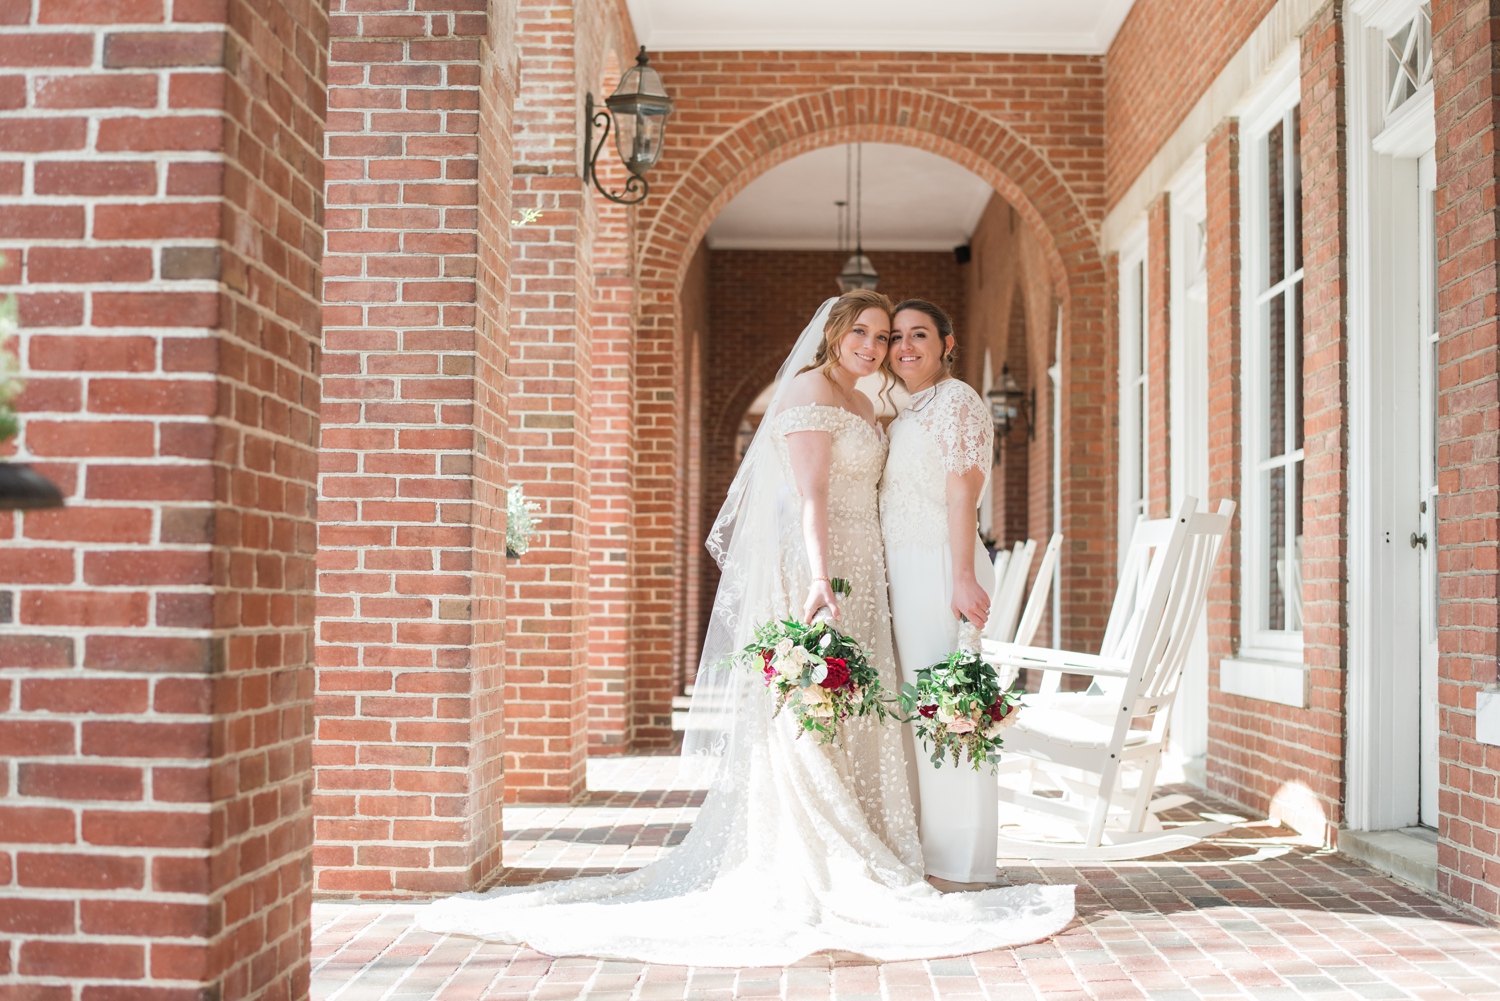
x=1409 y=59
x=1276 y=445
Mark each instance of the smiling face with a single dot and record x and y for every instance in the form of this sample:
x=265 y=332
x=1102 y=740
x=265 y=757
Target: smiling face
x=863 y=348
x=917 y=350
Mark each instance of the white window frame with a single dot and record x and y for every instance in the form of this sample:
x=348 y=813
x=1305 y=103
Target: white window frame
x=1257 y=641
x=1135 y=386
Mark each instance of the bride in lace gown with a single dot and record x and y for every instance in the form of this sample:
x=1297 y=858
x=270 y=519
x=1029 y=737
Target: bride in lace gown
x=799 y=847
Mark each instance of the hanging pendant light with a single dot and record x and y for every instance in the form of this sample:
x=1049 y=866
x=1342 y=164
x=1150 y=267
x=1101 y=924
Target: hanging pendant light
x=857 y=272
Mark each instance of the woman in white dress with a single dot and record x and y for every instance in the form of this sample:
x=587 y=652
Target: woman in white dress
x=941 y=453
x=798 y=847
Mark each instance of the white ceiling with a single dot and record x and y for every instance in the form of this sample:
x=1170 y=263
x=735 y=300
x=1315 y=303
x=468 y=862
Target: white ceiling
x=913 y=200
x=1079 y=26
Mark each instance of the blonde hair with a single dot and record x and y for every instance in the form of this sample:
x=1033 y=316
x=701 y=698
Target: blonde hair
x=841 y=319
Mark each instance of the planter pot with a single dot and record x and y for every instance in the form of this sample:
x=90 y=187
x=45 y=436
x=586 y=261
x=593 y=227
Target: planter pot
x=22 y=487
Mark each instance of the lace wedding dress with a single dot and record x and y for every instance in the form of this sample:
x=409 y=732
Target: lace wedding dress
x=945 y=429
x=799 y=847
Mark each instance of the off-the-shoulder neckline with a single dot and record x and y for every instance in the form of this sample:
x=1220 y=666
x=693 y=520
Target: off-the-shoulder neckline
x=872 y=425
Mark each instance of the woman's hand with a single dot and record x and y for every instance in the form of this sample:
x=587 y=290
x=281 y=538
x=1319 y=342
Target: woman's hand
x=820 y=595
x=970 y=601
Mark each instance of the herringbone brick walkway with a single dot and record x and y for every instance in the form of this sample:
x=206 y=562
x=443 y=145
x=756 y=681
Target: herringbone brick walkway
x=1254 y=913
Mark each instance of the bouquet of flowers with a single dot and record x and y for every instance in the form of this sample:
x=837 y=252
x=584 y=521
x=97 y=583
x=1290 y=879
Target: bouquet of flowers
x=819 y=673
x=960 y=708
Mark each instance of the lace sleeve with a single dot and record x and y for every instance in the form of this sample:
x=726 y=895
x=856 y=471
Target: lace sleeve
x=961 y=424
x=811 y=417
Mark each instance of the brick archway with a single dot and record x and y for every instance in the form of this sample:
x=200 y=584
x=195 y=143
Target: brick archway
x=698 y=178
x=950 y=129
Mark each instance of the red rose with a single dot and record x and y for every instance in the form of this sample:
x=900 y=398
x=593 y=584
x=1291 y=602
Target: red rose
x=999 y=710
x=838 y=673
x=928 y=711
x=765 y=656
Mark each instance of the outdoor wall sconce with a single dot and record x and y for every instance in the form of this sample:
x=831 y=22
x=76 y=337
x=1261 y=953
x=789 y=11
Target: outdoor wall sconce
x=1007 y=402
x=639 y=109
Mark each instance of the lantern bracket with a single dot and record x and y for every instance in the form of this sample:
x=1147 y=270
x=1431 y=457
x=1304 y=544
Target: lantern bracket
x=636 y=188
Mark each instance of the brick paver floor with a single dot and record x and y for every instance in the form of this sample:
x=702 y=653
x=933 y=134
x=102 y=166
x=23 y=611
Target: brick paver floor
x=1253 y=913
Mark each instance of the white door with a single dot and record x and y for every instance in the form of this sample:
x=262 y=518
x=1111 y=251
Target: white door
x=1424 y=540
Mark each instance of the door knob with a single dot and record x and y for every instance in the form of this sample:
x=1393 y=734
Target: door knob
x=1419 y=540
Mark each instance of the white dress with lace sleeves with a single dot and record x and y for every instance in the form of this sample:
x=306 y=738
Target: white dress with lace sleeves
x=945 y=429
x=799 y=847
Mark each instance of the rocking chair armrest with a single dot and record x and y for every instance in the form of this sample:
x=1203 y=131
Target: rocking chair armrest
x=1039 y=658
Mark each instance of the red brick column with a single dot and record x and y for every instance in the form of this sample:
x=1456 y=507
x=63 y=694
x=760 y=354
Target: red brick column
x=1315 y=756
x=611 y=458
x=611 y=465
x=1229 y=764
x=551 y=293
x=161 y=196
x=1158 y=356
x=1465 y=36
x=411 y=518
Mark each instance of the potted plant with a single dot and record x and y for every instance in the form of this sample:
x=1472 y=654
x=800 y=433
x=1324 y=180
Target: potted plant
x=520 y=523
x=20 y=485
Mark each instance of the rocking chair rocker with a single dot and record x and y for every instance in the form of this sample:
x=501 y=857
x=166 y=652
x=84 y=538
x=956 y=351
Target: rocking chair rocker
x=1081 y=740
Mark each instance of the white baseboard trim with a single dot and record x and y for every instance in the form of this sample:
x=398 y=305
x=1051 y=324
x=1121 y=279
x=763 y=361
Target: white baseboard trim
x=1267 y=680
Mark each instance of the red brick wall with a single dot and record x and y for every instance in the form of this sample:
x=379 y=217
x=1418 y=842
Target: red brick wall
x=497 y=86
x=411 y=518
x=1465 y=37
x=1012 y=308
x=551 y=368
x=1282 y=759
x=610 y=524
x=1318 y=748
x=758 y=303
x=552 y=395
x=155 y=701
x=1161 y=62
x=1231 y=768
x=611 y=465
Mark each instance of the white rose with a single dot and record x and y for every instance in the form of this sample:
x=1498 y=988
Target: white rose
x=783 y=648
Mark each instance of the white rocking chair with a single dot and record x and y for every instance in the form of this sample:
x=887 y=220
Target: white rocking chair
x=1036 y=605
x=1080 y=740
x=1005 y=603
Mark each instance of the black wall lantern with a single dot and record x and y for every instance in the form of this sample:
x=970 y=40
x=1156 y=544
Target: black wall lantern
x=638 y=109
x=1007 y=402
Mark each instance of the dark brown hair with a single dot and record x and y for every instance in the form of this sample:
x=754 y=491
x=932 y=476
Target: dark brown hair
x=940 y=320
